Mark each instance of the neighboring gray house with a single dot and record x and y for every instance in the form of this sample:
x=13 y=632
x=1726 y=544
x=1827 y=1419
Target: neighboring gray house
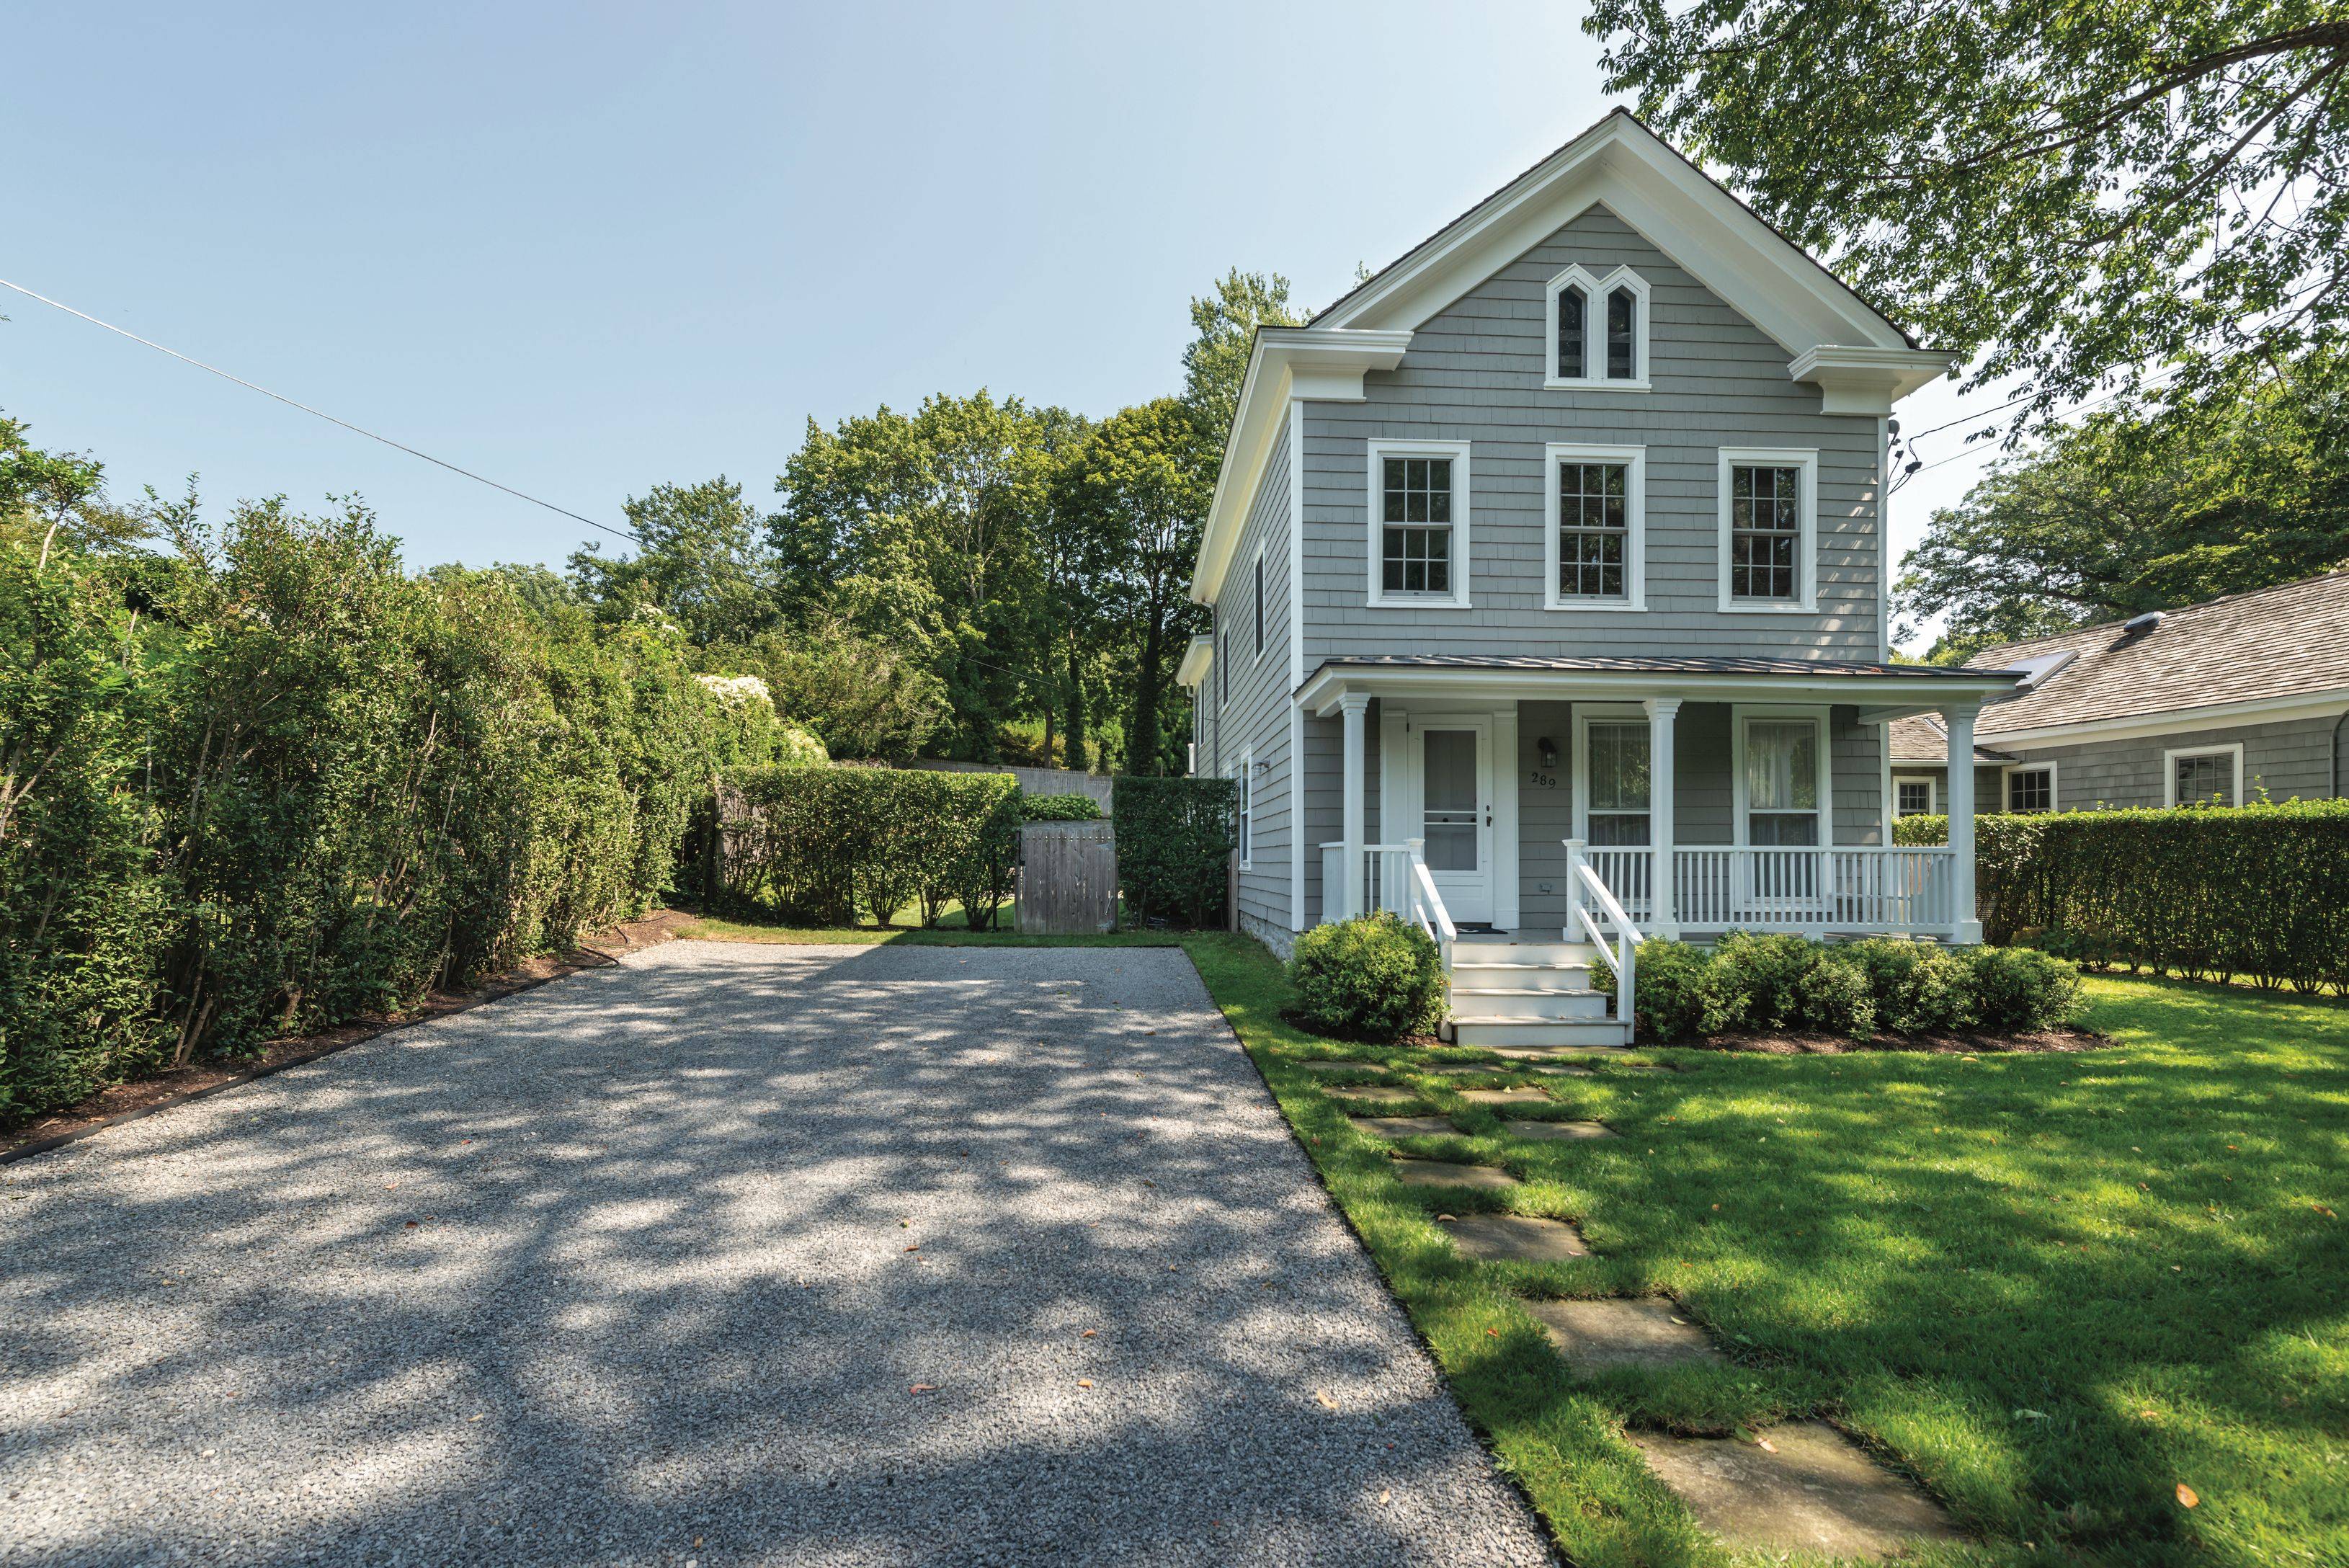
x=1552 y=554
x=2245 y=698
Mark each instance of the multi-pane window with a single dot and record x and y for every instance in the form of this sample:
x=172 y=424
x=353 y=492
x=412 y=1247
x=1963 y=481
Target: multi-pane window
x=1593 y=529
x=2204 y=778
x=1766 y=532
x=1622 y=323
x=1617 y=769
x=2031 y=789
x=1912 y=798
x=1415 y=535
x=1573 y=307
x=1782 y=781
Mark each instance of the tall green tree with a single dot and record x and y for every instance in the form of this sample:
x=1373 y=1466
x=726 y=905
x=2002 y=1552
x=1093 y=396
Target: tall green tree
x=1140 y=488
x=2071 y=193
x=2126 y=512
x=1223 y=327
x=702 y=559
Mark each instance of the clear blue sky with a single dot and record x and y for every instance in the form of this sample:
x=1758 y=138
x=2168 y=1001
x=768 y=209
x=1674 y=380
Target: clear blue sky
x=587 y=249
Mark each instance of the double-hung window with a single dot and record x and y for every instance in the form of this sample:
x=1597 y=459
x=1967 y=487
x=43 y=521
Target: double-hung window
x=1419 y=523
x=1769 y=510
x=1912 y=798
x=1597 y=334
x=1782 y=787
x=1596 y=551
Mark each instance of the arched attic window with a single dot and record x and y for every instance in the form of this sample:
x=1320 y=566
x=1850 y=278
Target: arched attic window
x=1597 y=330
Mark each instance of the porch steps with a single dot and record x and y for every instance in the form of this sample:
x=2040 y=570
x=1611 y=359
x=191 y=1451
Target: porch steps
x=1529 y=994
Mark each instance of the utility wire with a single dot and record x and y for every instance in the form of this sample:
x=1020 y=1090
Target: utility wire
x=320 y=413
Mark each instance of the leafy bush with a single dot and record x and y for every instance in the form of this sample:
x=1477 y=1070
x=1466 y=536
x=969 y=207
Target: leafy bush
x=1921 y=829
x=1757 y=979
x=1174 y=841
x=1372 y=978
x=1076 y=806
x=1917 y=987
x=823 y=845
x=1674 y=997
x=2012 y=989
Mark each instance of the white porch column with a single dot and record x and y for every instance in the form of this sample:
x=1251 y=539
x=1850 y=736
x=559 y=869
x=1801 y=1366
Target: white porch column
x=1963 y=926
x=1353 y=705
x=1661 y=713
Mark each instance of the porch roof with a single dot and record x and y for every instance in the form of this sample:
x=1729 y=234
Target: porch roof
x=1887 y=690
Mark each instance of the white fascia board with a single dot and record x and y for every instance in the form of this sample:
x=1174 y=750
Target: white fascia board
x=1320 y=693
x=1285 y=363
x=2325 y=704
x=1868 y=380
x=1198 y=658
x=1708 y=233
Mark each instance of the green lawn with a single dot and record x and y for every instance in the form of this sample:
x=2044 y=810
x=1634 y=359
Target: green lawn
x=2052 y=1288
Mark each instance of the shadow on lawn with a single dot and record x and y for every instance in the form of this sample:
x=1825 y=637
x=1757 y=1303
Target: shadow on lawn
x=651 y=1294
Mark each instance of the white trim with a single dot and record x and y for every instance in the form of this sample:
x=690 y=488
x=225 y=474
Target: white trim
x=1262 y=641
x=1868 y=380
x=2325 y=704
x=1319 y=693
x=1932 y=794
x=1884 y=550
x=1402 y=798
x=1377 y=450
x=1739 y=714
x=1296 y=850
x=1635 y=542
x=1506 y=850
x=1578 y=773
x=1297 y=558
x=2006 y=784
x=1198 y=657
x=1595 y=291
x=2233 y=749
x=1807 y=544
x=1247 y=812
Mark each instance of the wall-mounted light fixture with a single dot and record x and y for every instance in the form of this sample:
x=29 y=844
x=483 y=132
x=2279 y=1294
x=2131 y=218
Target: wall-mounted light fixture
x=1547 y=749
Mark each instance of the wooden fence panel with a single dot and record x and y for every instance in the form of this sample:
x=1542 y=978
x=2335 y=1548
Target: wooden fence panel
x=1068 y=877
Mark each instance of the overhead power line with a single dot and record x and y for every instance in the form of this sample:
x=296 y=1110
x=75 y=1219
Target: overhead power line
x=320 y=413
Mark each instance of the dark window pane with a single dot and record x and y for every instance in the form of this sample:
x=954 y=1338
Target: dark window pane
x=1622 y=306
x=1570 y=310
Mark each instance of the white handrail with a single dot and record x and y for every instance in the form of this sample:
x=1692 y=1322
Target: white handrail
x=1622 y=957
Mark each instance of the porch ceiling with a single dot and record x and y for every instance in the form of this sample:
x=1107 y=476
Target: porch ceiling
x=1884 y=690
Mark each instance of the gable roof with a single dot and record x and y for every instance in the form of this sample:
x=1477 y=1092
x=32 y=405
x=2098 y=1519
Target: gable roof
x=2269 y=645
x=1861 y=362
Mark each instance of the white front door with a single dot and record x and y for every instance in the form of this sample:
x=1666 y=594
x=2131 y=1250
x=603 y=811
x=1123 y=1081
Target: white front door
x=1454 y=758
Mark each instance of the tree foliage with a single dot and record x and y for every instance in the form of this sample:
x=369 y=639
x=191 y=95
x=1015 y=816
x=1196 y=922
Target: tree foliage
x=2071 y=193
x=1223 y=326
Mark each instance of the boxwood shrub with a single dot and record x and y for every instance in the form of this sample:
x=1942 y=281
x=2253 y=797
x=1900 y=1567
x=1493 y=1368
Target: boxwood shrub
x=1371 y=978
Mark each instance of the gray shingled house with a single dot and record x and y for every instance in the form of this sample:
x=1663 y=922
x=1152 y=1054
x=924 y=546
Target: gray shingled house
x=1548 y=578
x=2240 y=698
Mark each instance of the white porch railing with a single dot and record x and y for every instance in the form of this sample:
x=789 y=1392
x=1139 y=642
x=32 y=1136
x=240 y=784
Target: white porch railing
x=1858 y=891
x=1394 y=876
x=1593 y=912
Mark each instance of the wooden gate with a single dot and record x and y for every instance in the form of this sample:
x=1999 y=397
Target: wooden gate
x=1068 y=877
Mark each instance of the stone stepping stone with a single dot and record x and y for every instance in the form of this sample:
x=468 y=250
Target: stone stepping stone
x=1405 y=1127
x=1619 y=1332
x=1557 y=1053
x=1560 y=1132
x=1527 y=1095
x=1815 y=1492
x=1514 y=1239
x=1343 y=1067
x=1463 y=1069
x=1372 y=1094
x=1443 y=1173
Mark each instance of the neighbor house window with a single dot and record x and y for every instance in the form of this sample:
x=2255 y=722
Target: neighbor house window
x=1419 y=500
x=2031 y=789
x=2207 y=775
x=1582 y=306
x=1259 y=603
x=1596 y=507
x=1782 y=781
x=1242 y=828
x=1617 y=766
x=1912 y=798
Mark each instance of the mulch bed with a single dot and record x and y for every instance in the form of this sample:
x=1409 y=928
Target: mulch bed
x=2044 y=1040
x=125 y=1102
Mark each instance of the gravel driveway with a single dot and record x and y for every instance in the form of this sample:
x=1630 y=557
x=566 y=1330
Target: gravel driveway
x=645 y=1267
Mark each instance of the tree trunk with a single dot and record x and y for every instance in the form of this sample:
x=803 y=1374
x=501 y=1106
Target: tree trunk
x=1076 y=711
x=1141 y=739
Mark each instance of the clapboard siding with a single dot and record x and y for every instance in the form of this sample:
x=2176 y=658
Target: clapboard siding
x=1474 y=373
x=1255 y=718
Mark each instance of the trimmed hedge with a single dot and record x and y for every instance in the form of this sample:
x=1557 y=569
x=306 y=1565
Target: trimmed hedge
x=1073 y=806
x=822 y=845
x=1781 y=982
x=1924 y=829
x=1174 y=841
x=1372 y=978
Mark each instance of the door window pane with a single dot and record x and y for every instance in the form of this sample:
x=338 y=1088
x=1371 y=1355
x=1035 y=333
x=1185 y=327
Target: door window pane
x=1449 y=803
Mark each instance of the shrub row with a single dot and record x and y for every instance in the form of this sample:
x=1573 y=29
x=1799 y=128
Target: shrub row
x=1780 y=983
x=1074 y=807
x=1372 y=978
x=1174 y=841
x=2258 y=892
x=268 y=781
x=823 y=845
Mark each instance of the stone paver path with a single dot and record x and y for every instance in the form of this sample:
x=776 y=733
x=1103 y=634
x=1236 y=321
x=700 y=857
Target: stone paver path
x=1405 y=1127
x=1560 y=1132
x=1810 y=1490
x=1514 y=1239
x=1617 y=1331
x=736 y=1254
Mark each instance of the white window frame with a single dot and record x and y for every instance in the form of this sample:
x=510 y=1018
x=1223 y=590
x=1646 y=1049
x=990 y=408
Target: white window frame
x=1739 y=716
x=2006 y=786
x=1635 y=544
x=1262 y=642
x=1245 y=807
x=1806 y=541
x=1933 y=794
x=1585 y=716
x=1594 y=330
x=2169 y=760
x=1457 y=451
